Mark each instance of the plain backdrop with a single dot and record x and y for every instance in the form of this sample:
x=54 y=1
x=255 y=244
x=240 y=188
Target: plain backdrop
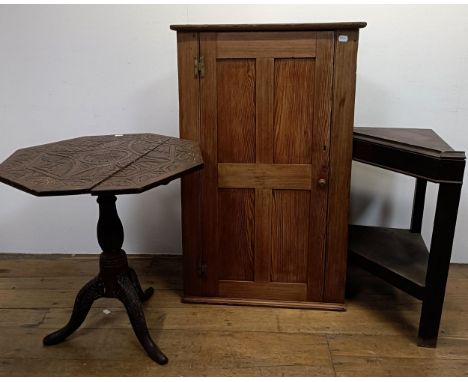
x=74 y=70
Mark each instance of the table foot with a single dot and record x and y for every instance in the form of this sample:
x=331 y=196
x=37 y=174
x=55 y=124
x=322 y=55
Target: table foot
x=93 y=290
x=131 y=297
x=143 y=294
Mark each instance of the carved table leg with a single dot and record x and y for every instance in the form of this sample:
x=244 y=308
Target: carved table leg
x=116 y=279
x=85 y=298
x=143 y=294
x=128 y=294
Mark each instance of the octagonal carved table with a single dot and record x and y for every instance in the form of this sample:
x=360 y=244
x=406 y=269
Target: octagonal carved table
x=104 y=166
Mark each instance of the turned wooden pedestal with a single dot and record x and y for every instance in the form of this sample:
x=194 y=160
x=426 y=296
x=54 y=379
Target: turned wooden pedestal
x=115 y=279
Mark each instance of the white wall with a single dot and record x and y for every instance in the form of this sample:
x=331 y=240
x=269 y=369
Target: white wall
x=67 y=71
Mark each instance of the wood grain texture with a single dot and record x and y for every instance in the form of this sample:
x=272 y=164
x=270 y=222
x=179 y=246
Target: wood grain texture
x=395 y=346
x=280 y=176
x=264 y=151
x=189 y=128
x=290 y=229
x=263 y=207
x=293 y=110
x=209 y=143
x=269 y=290
x=265 y=94
x=344 y=84
x=266 y=44
x=236 y=243
x=33 y=299
x=373 y=337
x=377 y=366
x=320 y=158
x=103 y=368
x=236 y=110
x=231 y=350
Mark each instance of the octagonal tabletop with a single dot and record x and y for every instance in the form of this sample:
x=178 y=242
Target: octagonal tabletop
x=118 y=164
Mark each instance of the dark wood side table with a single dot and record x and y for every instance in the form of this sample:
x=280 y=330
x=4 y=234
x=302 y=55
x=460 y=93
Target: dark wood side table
x=104 y=166
x=400 y=256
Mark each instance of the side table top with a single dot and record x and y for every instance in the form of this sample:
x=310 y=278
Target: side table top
x=425 y=141
x=118 y=164
x=415 y=152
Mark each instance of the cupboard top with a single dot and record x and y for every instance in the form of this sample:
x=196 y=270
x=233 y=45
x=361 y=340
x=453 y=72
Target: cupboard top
x=266 y=27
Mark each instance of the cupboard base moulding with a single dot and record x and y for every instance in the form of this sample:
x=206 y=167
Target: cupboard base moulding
x=264 y=303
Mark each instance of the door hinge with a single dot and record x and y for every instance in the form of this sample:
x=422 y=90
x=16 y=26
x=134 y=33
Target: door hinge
x=202 y=268
x=199 y=67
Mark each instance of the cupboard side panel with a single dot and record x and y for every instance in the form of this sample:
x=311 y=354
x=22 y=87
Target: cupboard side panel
x=344 y=84
x=189 y=128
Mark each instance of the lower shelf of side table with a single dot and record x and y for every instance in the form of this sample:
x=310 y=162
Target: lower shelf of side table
x=398 y=256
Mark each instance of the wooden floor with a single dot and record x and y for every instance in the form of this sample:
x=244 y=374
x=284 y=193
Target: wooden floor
x=374 y=337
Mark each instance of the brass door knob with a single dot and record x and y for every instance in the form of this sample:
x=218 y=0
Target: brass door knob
x=322 y=183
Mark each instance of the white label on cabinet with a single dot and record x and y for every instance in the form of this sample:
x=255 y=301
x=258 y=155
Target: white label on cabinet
x=343 y=38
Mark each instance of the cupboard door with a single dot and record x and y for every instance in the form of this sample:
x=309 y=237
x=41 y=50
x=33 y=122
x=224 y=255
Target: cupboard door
x=265 y=106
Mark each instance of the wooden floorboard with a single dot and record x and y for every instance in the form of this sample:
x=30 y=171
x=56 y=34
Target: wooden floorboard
x=376 y=336
x=377 y=366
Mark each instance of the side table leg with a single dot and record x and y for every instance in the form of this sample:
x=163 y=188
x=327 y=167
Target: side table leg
x=418 y=205
x=439 y=260
x=128 y=295
x=83 y=302
x=143 y=294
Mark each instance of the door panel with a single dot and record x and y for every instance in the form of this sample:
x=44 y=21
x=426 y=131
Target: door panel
x=236 y=233
x=265 y=130
x=290 y=231
x=293 y=109
x=236 y=110
x=261 y=290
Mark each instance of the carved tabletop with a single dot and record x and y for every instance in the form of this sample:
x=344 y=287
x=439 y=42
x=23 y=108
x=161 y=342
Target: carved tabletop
x=104 y=166
x=119 y=164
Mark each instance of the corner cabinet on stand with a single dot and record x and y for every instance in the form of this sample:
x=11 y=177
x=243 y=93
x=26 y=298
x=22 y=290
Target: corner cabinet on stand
x=272 y=106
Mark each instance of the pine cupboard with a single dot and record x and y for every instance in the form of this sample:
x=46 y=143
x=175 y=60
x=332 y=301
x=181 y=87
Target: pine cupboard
x=272 y=106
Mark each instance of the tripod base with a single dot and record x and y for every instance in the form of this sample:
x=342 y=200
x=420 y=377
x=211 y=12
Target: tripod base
x=127 y=289
x=115 y=280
